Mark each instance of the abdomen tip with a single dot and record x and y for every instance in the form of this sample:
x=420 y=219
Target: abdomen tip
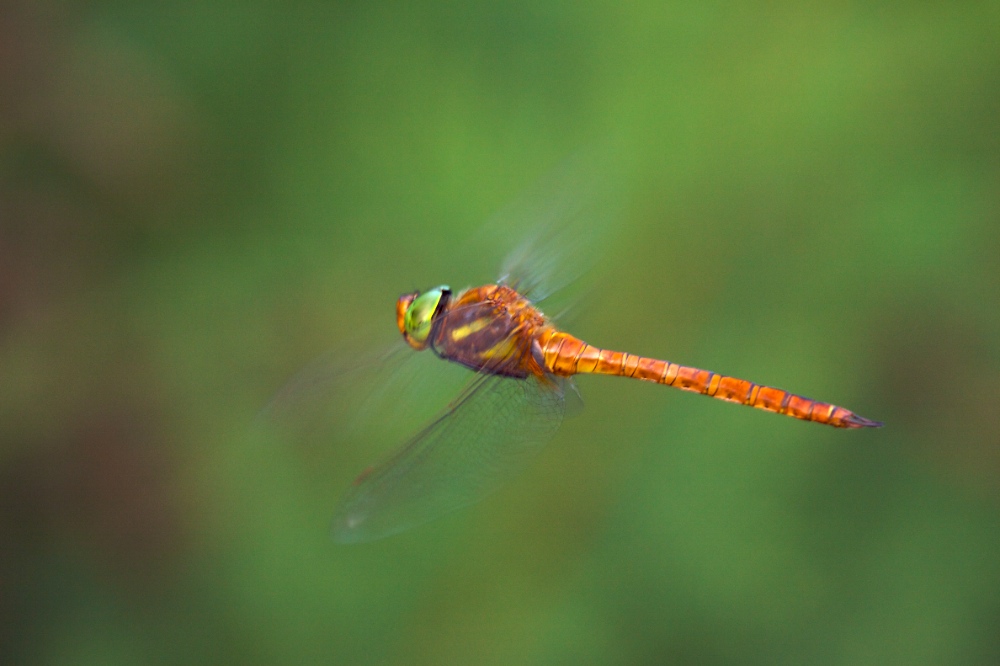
x=855 y=421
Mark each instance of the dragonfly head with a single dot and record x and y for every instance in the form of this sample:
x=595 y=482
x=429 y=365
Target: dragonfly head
x=415 y=314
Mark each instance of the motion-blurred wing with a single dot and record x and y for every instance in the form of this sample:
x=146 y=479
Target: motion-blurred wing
x=486 y=435
x=381 y=397
x=568 y=216
x=323 y=379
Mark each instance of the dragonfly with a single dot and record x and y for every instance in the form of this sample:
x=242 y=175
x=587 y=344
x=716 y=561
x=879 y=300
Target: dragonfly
x=522 y=367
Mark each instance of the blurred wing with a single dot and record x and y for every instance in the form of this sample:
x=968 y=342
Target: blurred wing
x=316 y=383
x=346 y=395
x=487 y=434
x=569 y=214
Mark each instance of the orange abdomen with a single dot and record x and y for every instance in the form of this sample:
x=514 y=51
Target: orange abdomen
x=566 y=355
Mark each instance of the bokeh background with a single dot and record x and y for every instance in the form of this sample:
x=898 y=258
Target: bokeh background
x=197 y=198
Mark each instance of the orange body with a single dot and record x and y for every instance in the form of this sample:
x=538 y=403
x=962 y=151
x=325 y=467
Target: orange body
x=496 y=330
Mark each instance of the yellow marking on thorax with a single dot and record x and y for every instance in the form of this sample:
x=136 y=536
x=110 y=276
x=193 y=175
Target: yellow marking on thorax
x=502 y=349
x=462 y=332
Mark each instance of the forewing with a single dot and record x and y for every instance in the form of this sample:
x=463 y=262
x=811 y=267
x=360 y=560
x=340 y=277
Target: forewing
x=380 y=397
x=486 y=435
x=567 y=216
x=320 y=382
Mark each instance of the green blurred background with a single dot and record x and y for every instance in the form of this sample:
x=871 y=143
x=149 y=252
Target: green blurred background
x=197 y=198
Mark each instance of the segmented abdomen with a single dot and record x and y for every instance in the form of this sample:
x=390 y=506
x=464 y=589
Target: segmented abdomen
x=566 y=355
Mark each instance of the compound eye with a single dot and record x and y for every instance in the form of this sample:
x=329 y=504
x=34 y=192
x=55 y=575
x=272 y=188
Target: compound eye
x=420 y=315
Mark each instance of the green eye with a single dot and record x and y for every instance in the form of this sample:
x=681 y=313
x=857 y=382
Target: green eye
x=421 y=312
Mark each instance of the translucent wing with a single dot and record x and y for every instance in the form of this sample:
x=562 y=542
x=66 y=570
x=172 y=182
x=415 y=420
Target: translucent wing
x=487 y=434
x=568 y=214
x=317 y=383
x=346 y=395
